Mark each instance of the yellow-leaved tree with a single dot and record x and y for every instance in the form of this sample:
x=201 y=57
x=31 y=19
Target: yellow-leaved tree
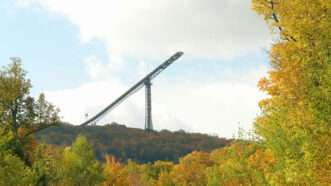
x=295 y=123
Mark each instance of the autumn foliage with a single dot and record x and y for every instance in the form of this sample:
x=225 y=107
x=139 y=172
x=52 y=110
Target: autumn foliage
x=296 y=118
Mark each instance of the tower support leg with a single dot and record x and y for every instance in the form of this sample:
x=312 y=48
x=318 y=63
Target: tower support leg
x=148 y=106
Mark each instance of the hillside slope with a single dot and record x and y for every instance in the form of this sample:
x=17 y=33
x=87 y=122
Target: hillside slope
x=131 y=143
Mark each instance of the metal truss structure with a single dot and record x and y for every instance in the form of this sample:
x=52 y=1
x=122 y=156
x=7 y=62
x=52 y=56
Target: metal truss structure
x=145 y=82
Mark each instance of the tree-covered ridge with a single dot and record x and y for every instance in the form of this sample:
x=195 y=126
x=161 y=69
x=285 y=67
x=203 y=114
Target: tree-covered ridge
x=131 y=143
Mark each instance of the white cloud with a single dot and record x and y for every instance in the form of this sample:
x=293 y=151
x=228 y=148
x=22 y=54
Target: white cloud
x=149 y=29
x=208 y=28
x=214 y=108
x=97 y=70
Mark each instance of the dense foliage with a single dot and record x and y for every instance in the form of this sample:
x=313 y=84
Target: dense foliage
x=296 y=119
x=130 y=143
x=291 y=145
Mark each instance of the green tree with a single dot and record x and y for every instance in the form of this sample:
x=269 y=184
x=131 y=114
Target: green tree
x=47 y=162
x=241 y=163
x=80 y=166
x=20 y=114
x=13 y=171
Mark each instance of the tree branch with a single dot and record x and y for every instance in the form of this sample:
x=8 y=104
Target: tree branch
x=276 y=19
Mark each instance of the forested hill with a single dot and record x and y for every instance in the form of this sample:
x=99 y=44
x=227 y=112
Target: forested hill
x=130 y=143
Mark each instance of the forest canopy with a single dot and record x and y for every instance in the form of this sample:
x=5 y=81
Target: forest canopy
x=130 y=143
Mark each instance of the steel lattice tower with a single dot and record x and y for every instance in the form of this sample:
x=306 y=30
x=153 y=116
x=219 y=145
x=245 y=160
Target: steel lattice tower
x=145 y=82
x=148 y=105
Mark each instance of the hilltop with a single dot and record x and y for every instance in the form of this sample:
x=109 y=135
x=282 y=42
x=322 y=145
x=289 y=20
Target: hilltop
x=131 y=143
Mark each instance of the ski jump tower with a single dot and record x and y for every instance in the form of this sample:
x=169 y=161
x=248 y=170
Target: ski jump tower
x=145 y=82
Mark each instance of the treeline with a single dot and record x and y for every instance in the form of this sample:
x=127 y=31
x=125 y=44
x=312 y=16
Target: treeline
x=76 y=164
x=131 y=143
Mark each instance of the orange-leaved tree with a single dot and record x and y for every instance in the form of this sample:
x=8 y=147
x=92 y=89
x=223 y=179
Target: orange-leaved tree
x=296 y=119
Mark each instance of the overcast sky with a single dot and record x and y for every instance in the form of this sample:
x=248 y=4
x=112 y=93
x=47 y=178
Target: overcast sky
x=84 y=54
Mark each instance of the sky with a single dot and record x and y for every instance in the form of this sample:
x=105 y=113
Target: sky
x=84 y=54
